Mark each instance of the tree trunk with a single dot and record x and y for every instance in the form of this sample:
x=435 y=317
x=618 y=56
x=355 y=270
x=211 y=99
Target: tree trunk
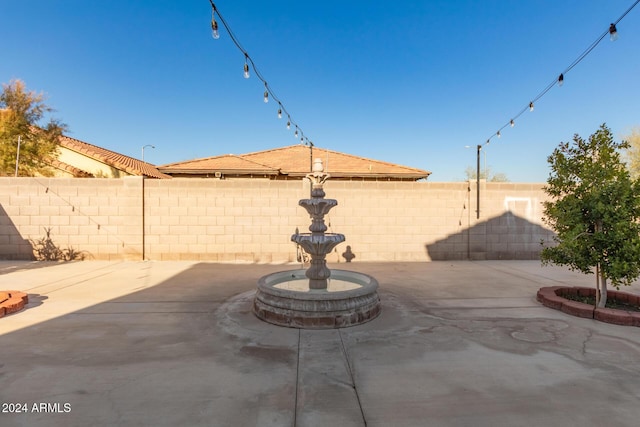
x=603 y=291
x=598 y=296
x=601 y=279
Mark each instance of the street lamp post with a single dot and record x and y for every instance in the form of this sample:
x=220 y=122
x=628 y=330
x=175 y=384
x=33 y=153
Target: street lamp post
x=478 y=183
x=479 y=149
x=143 y=207
x=148 y=145
x=18 y=154
x=486 y=176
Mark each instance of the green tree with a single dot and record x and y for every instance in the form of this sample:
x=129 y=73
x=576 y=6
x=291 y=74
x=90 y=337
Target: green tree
x=20 y=114
x=487 y=174
x=632 y=153
x=594 y=211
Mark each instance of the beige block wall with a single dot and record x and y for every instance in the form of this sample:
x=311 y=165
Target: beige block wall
x=102 y=217
x=253 y=220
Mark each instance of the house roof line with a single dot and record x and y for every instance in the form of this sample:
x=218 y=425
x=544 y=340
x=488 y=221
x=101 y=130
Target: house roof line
x=326 y=150
x=111 y=158
x=76 y=172
x=226 y=163
x=294 y=161
x=224 y=171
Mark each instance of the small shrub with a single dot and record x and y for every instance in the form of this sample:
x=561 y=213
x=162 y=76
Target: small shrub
x=45 y=249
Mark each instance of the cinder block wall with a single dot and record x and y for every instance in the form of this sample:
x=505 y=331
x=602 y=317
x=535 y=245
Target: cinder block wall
x=102 y=217
x=252 y=221
x=220 y=220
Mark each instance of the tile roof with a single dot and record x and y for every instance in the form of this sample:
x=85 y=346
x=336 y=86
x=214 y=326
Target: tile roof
x=295 y=161
x=228 y=164
x=119 y=161
x=77 y=173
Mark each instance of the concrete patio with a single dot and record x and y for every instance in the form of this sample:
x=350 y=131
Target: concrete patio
x=176 y=344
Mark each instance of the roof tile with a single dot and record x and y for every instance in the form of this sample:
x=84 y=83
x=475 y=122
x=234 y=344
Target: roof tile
x=77 y=173
x=111 y=158
x=295 y=160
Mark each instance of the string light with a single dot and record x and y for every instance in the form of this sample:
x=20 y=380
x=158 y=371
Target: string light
x=613 y=32
x=613 y=35
x=214 y=25
x=249 y=64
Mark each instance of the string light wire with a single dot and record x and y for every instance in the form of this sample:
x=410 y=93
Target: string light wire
x=611 y=30
x=268 y=91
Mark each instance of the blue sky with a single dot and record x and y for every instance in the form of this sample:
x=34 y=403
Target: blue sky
x=409 y=82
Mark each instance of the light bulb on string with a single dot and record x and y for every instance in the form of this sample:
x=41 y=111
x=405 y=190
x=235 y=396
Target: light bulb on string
x=246 y=70
x=280 y=111
x=266 y=94
x=288 y=125
x=296 y=132
x=613 y=32
x=214 y=26
x=498 y=134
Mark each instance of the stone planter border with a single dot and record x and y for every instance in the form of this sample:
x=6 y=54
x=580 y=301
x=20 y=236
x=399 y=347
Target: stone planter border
x=12 y=301
x=552 y=297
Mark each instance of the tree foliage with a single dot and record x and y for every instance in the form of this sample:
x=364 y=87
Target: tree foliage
x=633 y=152
x=594 y=211
x=20 y=114
x=485 y=173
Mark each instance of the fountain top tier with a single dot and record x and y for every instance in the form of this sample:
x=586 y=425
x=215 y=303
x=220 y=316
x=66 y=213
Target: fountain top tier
x=318 y=244
x=317 y=177
x=317 y=206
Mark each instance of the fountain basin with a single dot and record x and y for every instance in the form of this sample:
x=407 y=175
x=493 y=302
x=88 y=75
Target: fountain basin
x=283 y=299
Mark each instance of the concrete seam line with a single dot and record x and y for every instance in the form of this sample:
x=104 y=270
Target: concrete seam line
x=353 y=381
x=295 y=402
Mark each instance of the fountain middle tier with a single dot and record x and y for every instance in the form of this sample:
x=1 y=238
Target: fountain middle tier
x=318 y=244
x=317 y=209
x=317 y=206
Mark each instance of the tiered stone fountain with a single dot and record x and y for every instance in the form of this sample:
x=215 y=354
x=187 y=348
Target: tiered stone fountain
x=318 y=298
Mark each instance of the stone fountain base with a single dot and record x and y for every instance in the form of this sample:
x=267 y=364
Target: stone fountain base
x=284 y=299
